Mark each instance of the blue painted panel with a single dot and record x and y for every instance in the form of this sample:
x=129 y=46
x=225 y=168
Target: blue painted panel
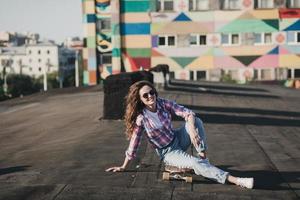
x=135 y=29
x=92 y=64
x=91 y=18
x=182 y=17
x=274 y=51
x=294 y=27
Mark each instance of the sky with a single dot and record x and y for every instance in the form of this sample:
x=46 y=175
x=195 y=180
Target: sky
x=52 y=19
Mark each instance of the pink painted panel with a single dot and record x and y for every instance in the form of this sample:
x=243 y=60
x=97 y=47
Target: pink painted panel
x=265 y=61
x=227 y=62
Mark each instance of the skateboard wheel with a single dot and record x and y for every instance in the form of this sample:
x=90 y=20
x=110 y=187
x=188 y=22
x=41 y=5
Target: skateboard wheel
x=166 y=176
x=189 y=179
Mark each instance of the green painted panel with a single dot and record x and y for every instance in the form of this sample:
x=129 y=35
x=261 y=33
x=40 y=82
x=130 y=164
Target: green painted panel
x=153 y=6
x=183 y=61
x=247 y=25
x=139 y=52
x=272 y=22
x=116 y=53
x=98 y=16
x=115 y=29
x=91 y=42
x=246 y=60
x=134 y=6
x=85 y=77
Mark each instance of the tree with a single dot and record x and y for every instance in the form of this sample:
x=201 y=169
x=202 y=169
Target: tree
x=19 y=85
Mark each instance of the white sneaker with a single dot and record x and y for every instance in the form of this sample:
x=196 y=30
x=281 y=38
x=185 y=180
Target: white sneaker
x=245 y=182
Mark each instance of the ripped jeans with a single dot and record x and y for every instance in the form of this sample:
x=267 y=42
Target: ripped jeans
x=175 y=154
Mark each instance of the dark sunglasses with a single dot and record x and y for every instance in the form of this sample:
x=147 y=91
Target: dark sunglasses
x=146 y=95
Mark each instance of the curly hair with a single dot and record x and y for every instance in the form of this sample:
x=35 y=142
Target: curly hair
x=134 y=105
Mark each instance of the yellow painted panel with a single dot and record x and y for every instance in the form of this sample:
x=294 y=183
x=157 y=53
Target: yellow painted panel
x=136 y=41
x=247 y=50
x=182 y=28
x=201 y=16
x=265 y=14
x=227 y=16
x=203 y=62
x=135 y=18
x=165 y=60
x=292 y=61
x=89 y=29
x=89 y=7
x=156 y=27
x=85 y=53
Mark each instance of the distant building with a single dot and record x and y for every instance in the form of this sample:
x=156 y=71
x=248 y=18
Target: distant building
x=73 y=43
x=9 y=39
x=36 y=59
x=198 y=39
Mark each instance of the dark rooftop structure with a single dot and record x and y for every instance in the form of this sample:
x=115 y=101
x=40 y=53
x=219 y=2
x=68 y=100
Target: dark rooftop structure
x=54 y=147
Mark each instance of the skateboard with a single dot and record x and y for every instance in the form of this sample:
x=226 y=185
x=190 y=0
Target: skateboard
x=175 y=173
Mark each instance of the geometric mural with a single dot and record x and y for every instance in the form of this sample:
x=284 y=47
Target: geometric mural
x=142 y=36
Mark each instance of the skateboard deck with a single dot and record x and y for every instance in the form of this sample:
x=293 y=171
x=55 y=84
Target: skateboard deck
x=175 y=173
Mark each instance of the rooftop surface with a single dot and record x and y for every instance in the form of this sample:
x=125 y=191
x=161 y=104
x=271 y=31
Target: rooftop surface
x=53 y=145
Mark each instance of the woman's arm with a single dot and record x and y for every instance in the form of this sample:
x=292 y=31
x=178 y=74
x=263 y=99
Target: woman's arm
x=195 y=138
x=134 y=144
x=119 y=168
x=193 y=132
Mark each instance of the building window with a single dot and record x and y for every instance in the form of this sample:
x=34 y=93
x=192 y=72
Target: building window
x=30 y=69
x=191 y=75
x=197 y=39
x=166 y=40
x=202 y=39
x=294 y=4
x=265 y=4
x=198 y=5
x=266 y=74
x=297 y=73
x=48 y=52
x=40 y=60
x=40 y=69
x=193 y=40
x=39 y=51
x=263 y=38
x=165 y=5
x=29 y=52
x=103 y=24
x=293 y=37
x=225 y=39
x=201 y=75
x=235 y=39
x=231 y=5
x=268 y=38
x=230 y=39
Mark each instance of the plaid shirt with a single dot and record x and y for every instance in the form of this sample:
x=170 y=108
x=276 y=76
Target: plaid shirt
x=158 y=138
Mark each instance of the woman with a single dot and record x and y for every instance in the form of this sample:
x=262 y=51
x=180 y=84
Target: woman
x=146 y=112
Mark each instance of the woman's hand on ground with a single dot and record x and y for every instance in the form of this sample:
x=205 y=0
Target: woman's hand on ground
x=115 y=169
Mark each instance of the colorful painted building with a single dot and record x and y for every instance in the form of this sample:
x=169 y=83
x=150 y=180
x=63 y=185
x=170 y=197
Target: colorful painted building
x=198 y=39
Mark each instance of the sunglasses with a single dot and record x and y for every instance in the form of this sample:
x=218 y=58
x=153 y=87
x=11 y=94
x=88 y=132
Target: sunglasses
x=146 y=95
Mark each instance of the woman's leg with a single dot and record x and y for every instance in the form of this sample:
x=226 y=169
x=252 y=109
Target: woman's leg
x=181 y=159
